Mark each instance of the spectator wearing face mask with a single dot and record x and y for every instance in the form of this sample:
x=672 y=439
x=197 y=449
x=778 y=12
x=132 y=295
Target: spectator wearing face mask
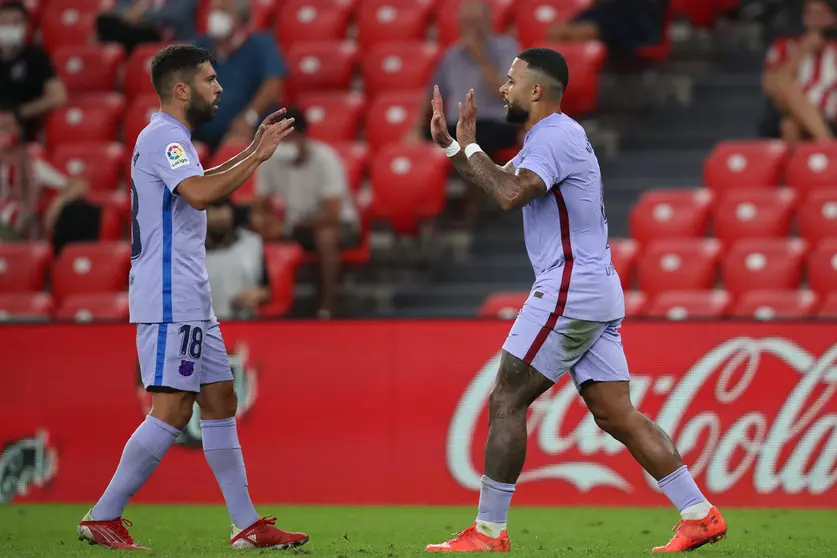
x=250 y=69
x=133 y=22
x=28 y=82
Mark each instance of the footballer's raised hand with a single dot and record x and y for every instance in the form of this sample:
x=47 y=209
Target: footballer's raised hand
x=273 y=134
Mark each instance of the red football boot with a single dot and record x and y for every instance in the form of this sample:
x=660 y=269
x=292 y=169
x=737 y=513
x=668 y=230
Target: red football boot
x=471 y=540
x=694 y=533
x=264 y=534
x=110 y=534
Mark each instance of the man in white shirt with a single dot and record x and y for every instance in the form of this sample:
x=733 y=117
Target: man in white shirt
x=320 y=213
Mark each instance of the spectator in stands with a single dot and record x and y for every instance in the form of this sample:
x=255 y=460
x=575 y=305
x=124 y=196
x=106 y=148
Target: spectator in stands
x=235 y=264
x=133 y=22
x=480 y=61
x=319 y=212
x=250 y=69
x=23 y=176
x=28 y=82
x=623 y=25
x=799 y=78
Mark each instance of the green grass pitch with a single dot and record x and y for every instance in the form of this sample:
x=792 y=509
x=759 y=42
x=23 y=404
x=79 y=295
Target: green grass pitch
x=49 y=530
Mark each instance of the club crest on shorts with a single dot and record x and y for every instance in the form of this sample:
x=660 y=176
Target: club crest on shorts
x=244 y=381
x=176 y=155
x=187 y=368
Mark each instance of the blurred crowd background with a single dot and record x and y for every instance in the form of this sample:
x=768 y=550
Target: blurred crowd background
x=713 y=121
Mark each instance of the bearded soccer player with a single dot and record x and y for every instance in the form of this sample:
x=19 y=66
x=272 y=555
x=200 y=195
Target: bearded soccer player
x=181 y=352
x=571 y=320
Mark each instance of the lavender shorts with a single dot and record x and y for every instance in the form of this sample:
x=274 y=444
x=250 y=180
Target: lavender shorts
x=183 y=355
x=556 y=345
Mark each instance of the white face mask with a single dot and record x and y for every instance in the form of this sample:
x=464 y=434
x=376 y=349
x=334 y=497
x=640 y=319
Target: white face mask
x=220 y=24
x=287 y=152
x=12 y=35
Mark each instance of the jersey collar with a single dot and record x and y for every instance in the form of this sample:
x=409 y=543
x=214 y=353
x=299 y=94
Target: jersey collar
x=173 y=120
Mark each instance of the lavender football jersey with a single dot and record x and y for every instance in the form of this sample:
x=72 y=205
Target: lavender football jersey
x=168 y=281
x=566 y=229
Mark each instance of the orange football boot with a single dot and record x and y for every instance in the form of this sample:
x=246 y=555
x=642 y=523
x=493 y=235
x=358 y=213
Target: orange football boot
x=264 y=534
x=471 y=540
x=694 y=533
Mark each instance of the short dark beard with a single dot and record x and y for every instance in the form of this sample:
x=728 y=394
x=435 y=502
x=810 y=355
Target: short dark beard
x=199 y=111
x=516 y=114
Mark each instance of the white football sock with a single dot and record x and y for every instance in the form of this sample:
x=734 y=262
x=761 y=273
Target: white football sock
x=490 y=529
x=696 y=511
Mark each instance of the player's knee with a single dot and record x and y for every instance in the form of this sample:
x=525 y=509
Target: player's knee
x=502 y=403
x=173 y=408
x=221 y=402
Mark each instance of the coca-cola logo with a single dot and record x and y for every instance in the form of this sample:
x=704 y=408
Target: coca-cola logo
x=789 y=445
x=26 y=463
x=244 y=382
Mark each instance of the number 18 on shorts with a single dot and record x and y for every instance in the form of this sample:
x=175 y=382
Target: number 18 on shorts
x=183 y=355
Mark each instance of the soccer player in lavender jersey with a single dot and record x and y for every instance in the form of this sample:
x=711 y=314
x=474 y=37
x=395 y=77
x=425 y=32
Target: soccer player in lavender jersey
x=181 y=352
x=571 y=320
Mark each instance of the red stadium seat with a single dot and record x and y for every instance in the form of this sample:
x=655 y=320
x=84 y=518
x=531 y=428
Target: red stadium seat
x=23 y=266
x=71 y=22
x=89 y=68
x=94 y=307
x=771 y=304
x=682 y=213
x=817 y=216
x=282 y=260
x=333 y=116
x=100 y=164
x=409 y=183
x=88 y=119
x=680 y=305
x=262 y=14
x=137 y=118
x=116 y=211
x=447 y=18
x=745 y=164
x=759 y=213
x=755 y=264
x=86 y=267
x=247 y=192
x=828 y=309
x=635 y=303
x=321 y=66
x=822 y=267
x=399 y=66
x=302 y=21
x=686 y=264
x=534 y=18
x=623 y=253
x=813 y=165
x=355 y=157
x=16 y=307
x=585 y=61
x=504 y=306
x=138 y=70
x=701 y=14
x=381 y=21
x=392 y=116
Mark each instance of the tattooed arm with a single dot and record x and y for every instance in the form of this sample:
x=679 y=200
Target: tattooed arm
x=509 y=189
x=463 y=167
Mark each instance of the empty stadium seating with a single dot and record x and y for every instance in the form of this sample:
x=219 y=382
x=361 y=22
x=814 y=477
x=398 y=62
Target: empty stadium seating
x=138 y=70
x=813 y=165
x=763 y=264
x=408 y=183
x=399 y=66
x=321 y=65
x=775 y=304
x=281 y=260
x=821 y=267
x=100 y=164
x=86 y=68
x=534 y=18
x=96 y=306
x=70 y=22
x=333 y=116
x=623 y=254
x=23 y=266
x=682 y=213
x=138 y=116
x=828 y=307
x=381 y=21
x=25 y=307
x=745 y=164
x=635 y=303
x=392 y=116
x=760 y=213
x=312 y=20
x=681 y=305
x=678 y=265
x=86 y=268
x=355 y=157
x=86 y=119
x=586 y=60
x=817 y=215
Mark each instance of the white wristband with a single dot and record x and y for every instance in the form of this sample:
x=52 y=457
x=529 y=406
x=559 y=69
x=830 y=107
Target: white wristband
x=472 y=148
x=452 y=149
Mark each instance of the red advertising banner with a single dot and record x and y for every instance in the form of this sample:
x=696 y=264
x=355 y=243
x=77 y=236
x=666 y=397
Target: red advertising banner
x=395 y=412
